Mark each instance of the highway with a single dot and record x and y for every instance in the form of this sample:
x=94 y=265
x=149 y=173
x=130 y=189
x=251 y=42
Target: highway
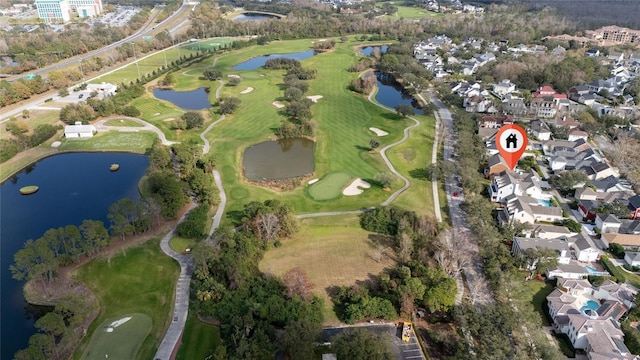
x=146 y=29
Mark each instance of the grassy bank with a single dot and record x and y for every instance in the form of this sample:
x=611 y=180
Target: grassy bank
x=136 y=280
x=333 y=251
x=199 y=340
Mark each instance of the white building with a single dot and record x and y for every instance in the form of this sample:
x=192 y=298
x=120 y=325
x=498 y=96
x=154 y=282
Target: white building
x=79 y=131
x=103 y=88
x=61 y=10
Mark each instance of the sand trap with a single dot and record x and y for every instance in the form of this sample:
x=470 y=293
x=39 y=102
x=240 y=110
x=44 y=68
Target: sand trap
x=314 y=98
x=117 y=323
x=247 y=90
x=169 y=119
x=313 y=181
x=156 y=114
x=55 y=144
x=378 y=131
x=233 y=76
x=354 y=187
x=278 y=104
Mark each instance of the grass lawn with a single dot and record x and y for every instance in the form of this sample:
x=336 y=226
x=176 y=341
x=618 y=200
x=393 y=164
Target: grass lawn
x=619 y=273
x=122 y=342
x=122 y=122
x=333 y=251
x=199 y=340
x=36 y=117
x=342 y=119
x=411 y=12
x=410 y=159
x=113 y=141
x=537 y=292
x=138 y=280
x=180 y=244
x=330 y=186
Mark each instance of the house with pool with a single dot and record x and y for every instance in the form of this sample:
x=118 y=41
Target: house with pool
x=589 y=316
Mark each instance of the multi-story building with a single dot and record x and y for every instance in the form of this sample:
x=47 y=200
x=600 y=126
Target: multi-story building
x=61 y=10
x=53 y=10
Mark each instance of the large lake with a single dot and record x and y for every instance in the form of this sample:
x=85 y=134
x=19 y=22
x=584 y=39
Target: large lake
x=259 y=61
x=197 y=99
x=73 y=187
x=253 y=17
x=276 y=160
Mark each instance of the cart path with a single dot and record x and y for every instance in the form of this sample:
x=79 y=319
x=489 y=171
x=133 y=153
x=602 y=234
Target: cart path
x=100 y=126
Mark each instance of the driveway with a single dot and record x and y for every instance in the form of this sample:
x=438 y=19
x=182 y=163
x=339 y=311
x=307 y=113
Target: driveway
x=100 y=126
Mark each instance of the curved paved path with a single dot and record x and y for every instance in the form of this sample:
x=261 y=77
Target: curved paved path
x=100 y=126
x=173 y=335
x=383 y=153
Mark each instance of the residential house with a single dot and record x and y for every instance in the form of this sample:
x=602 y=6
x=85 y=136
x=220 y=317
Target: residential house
x=540 y=130
x=542 y=107
x=632 y=258
x=592 y=53
x=630 y=227
x=634 y=207
x=79 y=131
x=544 y=231
x=612 y=184
x=608 y=223
x=585 y=193
x=526 y=209
x=495 y=165
x=628 y=241
x=576 y=91
x=544 y=91
x=511 y=183
x=514 y=106
x=494 y=121
x=561 y=246
x=504 y=87
x=615 y=56
x=575 y=134
x=566 y=122
x=589 y=316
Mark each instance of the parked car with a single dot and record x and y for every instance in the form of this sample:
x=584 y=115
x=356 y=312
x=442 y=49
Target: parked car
x=80 y=96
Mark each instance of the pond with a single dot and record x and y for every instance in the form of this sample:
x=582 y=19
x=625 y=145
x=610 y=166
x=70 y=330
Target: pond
x=197 y=99
x=253 y=17
x=390 y=93
x=259 y=61
x=73 y=187
x=277 y=160
x=368 y=50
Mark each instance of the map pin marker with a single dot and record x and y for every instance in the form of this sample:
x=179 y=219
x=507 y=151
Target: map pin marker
x=511 y=141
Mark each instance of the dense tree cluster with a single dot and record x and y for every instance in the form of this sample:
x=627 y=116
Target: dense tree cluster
x=361 y=344
x=22 y=140
x=252 y=307
x=94 y=108
x=298 y=110
x=194 y=226
x=229 y=104
x=195 y=169
x=11 y=93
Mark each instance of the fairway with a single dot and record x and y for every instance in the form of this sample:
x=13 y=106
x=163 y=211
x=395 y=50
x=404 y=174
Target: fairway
x=333 y=251
x=112 y=340
x=330 y=186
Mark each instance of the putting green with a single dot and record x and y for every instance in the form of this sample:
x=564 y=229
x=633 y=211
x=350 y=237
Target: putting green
x=122 y=342
x=330 y=186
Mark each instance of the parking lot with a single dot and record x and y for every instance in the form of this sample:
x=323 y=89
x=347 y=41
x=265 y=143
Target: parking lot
x=402 y=350
x=118 y=18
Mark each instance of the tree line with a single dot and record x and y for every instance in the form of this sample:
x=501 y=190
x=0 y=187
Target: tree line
x=259 y=313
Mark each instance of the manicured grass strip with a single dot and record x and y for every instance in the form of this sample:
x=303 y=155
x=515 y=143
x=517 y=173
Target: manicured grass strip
x=180 y=244
x=619 y=273
x=333 y=251
x=330 y=186
x=113 y=140
x=199 y=340
x=122 y=122
x=122 y=342
x=136 y=280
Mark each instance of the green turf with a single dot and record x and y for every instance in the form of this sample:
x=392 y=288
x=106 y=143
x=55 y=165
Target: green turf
x=342 y=119
x=412 y=12
x=122 y=122
x=121 y=343
x=330 y=186
x=199 y=340
x=136 y=280
x=112 y=140
x=180 y=244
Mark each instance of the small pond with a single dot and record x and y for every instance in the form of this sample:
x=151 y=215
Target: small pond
x=368 y=50
x=197 y=99
x=390 y=93
x=259 y=61
x=253 y=17
x=277 y=160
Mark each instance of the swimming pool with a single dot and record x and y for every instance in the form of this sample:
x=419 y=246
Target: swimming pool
x=590 y=307
x=591 y=270
x=542 y=202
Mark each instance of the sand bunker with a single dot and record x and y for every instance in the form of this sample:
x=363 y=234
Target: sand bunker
x=378 y=131
x=55 y=144
x=278 y=104
x=313 y=181
x=156 y=114
x=117 y=323
x=169 y=119
x=314 y=98
x=247 y=90
x=354 y=187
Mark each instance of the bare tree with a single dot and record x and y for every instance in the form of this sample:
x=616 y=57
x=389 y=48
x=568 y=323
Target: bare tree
x=268 y=226
x=378 y=253
x=297 y=283
x=405 y=248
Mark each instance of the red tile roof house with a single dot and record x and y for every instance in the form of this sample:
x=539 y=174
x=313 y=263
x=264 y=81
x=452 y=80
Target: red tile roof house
x=634 y=206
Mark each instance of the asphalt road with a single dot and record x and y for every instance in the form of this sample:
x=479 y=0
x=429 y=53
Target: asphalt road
x=474 y=278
